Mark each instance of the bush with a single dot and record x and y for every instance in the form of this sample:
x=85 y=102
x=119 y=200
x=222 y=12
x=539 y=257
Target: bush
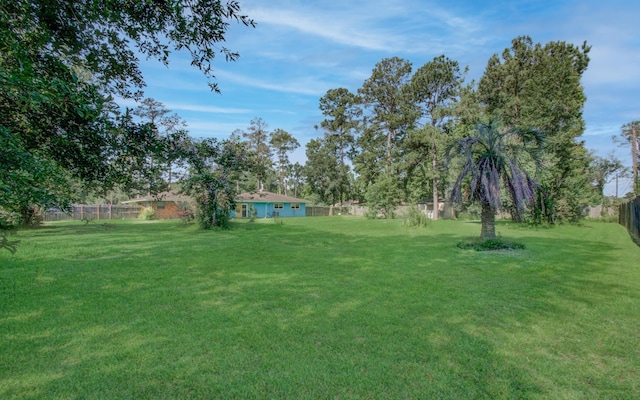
x=415 y=218
x=148 y=214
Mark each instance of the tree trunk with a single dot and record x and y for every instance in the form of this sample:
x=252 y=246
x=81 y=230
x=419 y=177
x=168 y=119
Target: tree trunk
x=27 y=214
x=488 y=219
x=436 y=201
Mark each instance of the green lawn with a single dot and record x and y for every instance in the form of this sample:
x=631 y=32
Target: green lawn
x=318 y=308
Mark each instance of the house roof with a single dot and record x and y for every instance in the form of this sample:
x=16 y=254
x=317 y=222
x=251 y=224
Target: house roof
x=162 y=196
x=266 y=197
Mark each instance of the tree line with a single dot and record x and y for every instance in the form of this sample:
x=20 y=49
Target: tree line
x=398 y=130
x=510 y=140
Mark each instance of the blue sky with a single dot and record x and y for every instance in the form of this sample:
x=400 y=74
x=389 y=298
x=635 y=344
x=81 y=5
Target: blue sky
x=300 y=49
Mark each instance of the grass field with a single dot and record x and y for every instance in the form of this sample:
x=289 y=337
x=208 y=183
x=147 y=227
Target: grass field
x=318 y=308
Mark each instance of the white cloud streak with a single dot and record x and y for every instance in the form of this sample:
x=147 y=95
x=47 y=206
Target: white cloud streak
x=305 y=86
x=373 y=25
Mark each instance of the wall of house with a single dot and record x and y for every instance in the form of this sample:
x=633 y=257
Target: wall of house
x=166 y=209
x=268 y=210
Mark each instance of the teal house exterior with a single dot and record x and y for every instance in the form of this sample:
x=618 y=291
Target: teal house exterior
x=264 y=204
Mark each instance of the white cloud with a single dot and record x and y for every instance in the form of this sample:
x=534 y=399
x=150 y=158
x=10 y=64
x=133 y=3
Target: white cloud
x=213 y=129
x=206 y=109
x=304 y=86
x=374 y=25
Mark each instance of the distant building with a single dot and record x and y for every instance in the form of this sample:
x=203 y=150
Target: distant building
x=266 y=204
x=167 y=205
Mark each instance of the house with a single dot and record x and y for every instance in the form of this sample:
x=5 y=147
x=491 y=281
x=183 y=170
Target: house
x=166 y=205
x=264 y=204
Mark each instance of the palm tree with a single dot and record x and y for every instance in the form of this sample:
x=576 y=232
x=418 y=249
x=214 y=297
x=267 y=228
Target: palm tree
x=494 y=155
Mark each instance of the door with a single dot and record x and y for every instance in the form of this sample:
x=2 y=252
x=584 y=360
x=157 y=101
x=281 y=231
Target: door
x=244 y=212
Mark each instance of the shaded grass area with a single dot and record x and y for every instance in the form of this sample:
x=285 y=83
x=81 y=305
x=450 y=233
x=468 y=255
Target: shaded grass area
x=318 y=308
x=494 y=244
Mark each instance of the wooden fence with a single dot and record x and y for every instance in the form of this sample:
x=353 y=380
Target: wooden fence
x=93 y=212
x=629 y=217
x=447 y=210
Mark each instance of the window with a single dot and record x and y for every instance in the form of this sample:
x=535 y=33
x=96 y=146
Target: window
x=295 y=206
x=278 y=206
x=160 y=205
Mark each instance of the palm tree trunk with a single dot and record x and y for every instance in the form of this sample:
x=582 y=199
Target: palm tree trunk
x=488 y=219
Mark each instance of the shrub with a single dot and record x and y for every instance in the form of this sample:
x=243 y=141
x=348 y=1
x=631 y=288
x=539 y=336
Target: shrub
x=415 y=218
x=148 y=214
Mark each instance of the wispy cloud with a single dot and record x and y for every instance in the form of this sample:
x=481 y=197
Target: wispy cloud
x=213 y=129
x=372 y=25
x=130 y=103
x=305 y=86
x=207 y=109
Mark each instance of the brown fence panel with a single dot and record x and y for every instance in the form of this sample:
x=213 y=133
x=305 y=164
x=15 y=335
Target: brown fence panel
x=93 y=212
x=629 y=217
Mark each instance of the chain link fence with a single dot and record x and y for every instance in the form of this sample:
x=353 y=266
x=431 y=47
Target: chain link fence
x=92 y=212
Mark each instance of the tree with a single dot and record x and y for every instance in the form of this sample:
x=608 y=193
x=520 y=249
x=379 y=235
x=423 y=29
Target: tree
x=210 y=180
x=602 y=170
x=320 y=171
x=389 y=114
x=630 y=135
x=436 y=88
x=257 y=139
x=342 y=112
x=493 y=155
x=297 y=178
x=538 y=87
x=385 y=94
x=103 y=38
x=60 y=60
x=165 y=123
x=282 y=142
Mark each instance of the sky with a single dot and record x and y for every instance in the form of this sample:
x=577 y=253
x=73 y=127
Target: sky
x=302 y=48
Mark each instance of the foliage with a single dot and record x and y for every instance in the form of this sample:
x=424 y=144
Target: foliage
x=415 y=218
x=493 y=244
x=603 y=170
x=386 y=98
x=630 y=136
x=59 y=63
x=282 y=142
x=213 y=166
x=342 y=112
x=5 y=243
x=492 y=155
x=27 y=180
x=296 y=179
x=538 y=87
x=257 y=139
x=435 y=87
x=102 y=38
x=147 y=214
x=166 y=125
x=383 y=196
x=327 y=178
x=388 y=116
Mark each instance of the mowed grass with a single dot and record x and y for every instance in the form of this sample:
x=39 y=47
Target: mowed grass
x=318 y=308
